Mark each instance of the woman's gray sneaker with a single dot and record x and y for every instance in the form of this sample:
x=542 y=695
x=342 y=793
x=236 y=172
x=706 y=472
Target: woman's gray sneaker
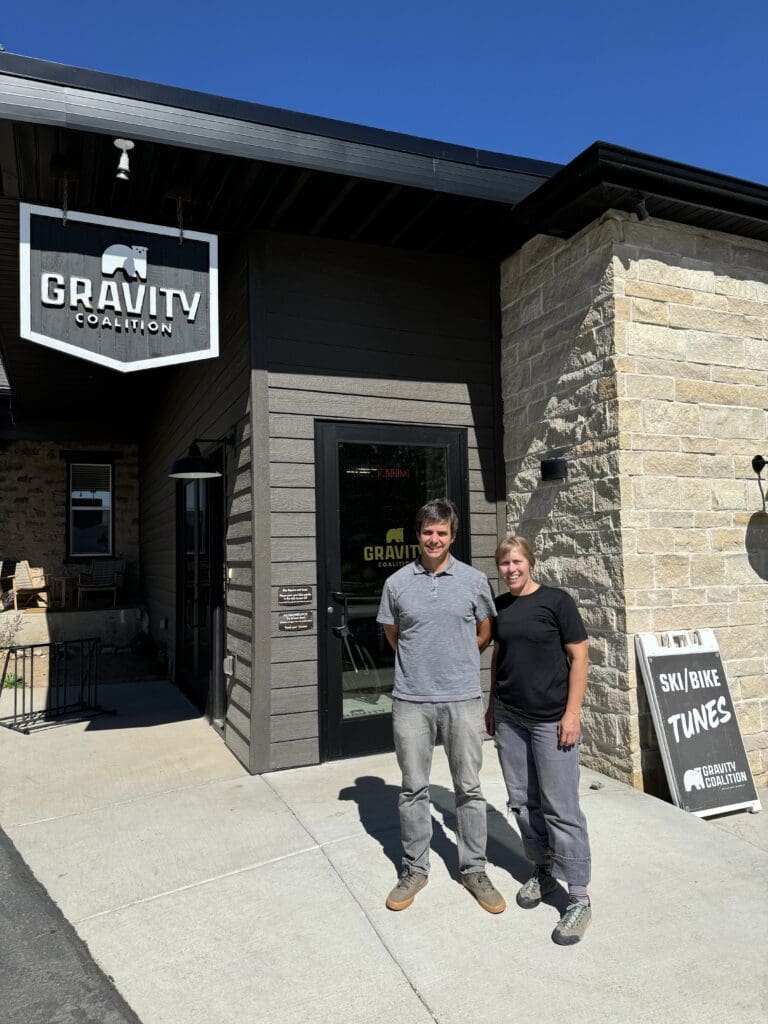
x=571 y=927
x=404 y=893
x=530 y=893
x=484 y=891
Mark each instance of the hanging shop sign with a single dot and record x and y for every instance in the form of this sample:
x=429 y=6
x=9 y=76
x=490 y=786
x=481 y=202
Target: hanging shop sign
x=699 y=738
x=124 y=294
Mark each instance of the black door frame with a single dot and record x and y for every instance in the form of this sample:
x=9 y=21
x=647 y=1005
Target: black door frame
x=348 y=739
x=215 y=609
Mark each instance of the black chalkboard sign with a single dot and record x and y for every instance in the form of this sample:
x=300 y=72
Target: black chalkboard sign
x=703 y=752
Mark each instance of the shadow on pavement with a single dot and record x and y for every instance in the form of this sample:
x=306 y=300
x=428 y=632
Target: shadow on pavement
x=137 y=705
x=377 y=806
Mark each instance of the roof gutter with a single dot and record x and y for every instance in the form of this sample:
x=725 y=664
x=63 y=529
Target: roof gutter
x=604 y=171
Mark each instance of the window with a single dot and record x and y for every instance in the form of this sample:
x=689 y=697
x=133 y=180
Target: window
x=89 y=509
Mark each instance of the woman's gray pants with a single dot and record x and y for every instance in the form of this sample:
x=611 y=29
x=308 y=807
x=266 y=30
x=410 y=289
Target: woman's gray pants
x=416 y=727
x=543 y=788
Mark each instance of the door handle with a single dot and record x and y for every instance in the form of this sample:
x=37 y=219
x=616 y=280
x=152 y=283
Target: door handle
x=342 y=630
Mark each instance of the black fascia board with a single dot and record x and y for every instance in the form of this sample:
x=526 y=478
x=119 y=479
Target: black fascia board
x=256 y=113
x=604 y=174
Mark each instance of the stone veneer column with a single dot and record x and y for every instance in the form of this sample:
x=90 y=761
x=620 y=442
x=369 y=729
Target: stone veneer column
x=559 y=393
x=638 y=351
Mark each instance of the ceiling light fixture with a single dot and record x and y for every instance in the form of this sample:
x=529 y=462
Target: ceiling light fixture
x=123 y=164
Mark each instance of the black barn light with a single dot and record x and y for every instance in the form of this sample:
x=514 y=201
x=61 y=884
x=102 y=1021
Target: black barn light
x=194 y=466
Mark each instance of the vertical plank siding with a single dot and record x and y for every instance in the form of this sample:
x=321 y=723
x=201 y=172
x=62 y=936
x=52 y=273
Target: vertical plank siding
x=353 y=332
x=206 y=399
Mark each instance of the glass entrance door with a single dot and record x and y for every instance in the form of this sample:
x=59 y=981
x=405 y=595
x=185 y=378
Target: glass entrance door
x=200 y=565
x=372 y=480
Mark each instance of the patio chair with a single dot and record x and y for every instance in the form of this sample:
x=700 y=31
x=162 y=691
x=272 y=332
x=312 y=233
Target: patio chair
x=106 y=574
x=27 y=585
x=7 y=569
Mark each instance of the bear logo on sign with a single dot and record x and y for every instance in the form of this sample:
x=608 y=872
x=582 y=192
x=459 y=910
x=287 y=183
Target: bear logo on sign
x=693 y=779
x=131 y=259
x=395 y=536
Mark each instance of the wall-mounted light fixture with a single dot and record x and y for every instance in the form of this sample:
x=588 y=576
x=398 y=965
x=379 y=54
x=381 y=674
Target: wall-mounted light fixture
x=554 y=469
x=123 y=164
x=194 y=465
x=758 y=464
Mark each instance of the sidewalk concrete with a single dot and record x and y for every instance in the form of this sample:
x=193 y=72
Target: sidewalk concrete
x=211 y=896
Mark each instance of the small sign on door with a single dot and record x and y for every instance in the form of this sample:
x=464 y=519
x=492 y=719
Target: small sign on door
x=295 y=622
x=294 y=595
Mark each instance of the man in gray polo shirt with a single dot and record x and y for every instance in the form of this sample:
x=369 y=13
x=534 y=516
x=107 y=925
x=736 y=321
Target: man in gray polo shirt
x=436 y=613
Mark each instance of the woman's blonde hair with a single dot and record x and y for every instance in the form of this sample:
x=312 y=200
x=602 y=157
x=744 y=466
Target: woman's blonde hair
x=513 y=540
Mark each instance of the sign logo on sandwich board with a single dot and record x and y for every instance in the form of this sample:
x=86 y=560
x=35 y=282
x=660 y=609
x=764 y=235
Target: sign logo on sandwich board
x=120 y=293
x=701 y=746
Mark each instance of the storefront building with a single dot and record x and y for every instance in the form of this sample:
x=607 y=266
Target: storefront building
x=397 y=319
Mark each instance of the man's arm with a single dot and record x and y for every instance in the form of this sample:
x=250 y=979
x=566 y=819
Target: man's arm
x=391 y=633
x=484 y=633
x=569 y=726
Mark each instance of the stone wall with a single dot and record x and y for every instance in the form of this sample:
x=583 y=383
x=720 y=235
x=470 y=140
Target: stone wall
x=559 y=395
x=638 y=351
x=33 y=519
x=692 y=369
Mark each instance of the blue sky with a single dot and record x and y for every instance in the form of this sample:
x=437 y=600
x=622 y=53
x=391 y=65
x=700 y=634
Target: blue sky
x=681 y=79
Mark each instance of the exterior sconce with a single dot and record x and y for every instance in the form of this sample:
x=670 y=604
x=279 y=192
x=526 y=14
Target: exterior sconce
x=758 y=464
x=554 y=469
x=194 y=466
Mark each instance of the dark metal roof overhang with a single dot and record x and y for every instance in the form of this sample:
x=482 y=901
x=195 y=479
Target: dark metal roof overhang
x=39 y=92
x=238 y=167
x=607 y=177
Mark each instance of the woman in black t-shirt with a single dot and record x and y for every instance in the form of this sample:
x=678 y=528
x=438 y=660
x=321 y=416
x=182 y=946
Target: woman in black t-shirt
x=539 y=675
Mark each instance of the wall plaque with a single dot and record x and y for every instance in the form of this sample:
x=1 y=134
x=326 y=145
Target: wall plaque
x=120 y=293
x=699 y=738
x=295 y=622
x=294 y=595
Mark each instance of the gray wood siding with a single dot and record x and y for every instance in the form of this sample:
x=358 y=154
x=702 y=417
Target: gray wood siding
x=359 y=333
x=206 y=399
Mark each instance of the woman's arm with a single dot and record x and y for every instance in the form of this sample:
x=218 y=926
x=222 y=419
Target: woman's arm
x=569 y=726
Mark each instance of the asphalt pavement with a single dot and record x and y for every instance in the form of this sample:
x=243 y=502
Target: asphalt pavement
x=47 y=975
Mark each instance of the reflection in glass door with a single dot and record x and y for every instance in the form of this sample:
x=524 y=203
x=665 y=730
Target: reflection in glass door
x=373 y=479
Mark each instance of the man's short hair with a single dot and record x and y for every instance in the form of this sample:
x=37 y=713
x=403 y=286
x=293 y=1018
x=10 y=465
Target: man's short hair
x=438 y=510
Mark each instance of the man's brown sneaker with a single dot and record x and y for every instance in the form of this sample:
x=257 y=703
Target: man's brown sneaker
x=404 y=893
x=484 y=891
